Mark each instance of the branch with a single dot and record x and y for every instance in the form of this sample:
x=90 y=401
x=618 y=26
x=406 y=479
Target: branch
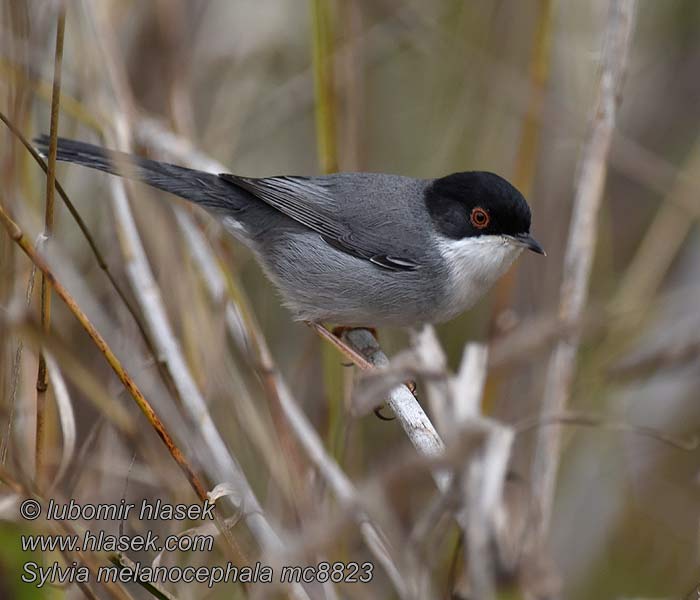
x=579 y=254
x=21 y=240
x=410 y=414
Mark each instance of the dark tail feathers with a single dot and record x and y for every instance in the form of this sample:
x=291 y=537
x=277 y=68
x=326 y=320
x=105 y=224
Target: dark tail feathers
x=202 y=188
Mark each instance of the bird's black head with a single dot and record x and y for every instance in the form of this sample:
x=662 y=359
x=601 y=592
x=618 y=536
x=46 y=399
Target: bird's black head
x=477 y=203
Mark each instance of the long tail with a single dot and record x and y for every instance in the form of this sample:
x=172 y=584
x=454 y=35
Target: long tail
x=200 y=187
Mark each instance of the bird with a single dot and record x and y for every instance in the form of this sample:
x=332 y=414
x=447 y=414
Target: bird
x=354 y=249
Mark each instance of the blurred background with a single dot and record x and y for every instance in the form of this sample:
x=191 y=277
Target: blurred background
x=416 y=88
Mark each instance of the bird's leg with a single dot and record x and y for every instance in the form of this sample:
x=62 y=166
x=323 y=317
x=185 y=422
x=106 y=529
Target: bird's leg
x=334 y=337
x=342 y=330
x=347 y=350
x=378 y=413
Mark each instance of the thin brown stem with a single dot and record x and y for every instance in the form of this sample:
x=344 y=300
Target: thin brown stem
x=42 y=382
x=349 y=352
x=21 y=240
x=99 y=257
x=324 y=85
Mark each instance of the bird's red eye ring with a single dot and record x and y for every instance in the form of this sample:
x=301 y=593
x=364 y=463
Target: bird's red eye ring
x=479 y=218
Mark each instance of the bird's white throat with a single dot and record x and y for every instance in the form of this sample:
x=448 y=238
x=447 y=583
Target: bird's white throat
x=474 y=265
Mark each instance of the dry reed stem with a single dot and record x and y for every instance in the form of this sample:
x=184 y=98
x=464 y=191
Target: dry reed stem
x=152 y=417
x=224 y=466
x=665 y=235
x=311 y=443
x=145 y=287
x=324 y=85
x=42 y=380
x=97 y=253
x=169 y=352
x=528 y=145
x=340 y=484
x=20 y=239
x=579 y=254
x=309 y=440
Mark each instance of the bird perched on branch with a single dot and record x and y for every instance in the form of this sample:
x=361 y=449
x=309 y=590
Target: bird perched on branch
x=353 y=249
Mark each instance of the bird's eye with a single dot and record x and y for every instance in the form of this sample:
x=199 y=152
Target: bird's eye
x=479 y=218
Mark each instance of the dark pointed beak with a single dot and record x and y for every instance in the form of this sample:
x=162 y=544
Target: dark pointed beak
x=525 y=239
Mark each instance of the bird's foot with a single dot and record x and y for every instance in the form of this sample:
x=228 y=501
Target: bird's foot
x=335 y=337
x=411 y=385
x=340 y=331
x=341 y=345
x=378 y=413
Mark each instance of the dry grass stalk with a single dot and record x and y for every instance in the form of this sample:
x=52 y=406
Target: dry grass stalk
x=18 y=237
x=479 y=481
x=42 y=381
x=97 y=253
x=579 y=252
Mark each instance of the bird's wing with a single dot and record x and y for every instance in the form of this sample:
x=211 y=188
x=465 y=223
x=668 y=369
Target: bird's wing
x=314 y=203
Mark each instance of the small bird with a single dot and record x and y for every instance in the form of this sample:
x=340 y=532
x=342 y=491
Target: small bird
x=353 y=249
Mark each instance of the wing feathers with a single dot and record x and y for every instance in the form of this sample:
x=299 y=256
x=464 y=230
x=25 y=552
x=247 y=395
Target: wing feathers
x=313 y=206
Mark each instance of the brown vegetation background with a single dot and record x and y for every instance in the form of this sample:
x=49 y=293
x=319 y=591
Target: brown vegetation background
x=403 y=86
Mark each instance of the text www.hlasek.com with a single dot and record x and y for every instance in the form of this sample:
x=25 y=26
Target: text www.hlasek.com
x=100 y=541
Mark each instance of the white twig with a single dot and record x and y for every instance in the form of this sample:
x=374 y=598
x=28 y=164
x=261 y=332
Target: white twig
x=457 y=403
x=470 y=382
x=483 y=513
x=66 y=416
x=579 y=253
x=407 y=409
x=432 y=359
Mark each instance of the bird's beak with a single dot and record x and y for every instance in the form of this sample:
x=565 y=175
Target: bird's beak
x=525 y=239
